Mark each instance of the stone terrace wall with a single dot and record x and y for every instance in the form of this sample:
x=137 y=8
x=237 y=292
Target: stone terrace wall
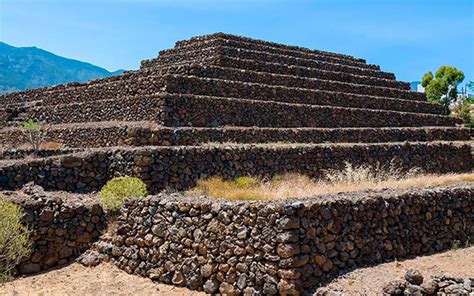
x=135 y=108
x=77 y=136
x=38 y=93
x=205 y=111
x=287 y=246
x=344 y=88
x=22 y=153
x=211 y=53
x=63 y=226
x=178 y=55
x=144 y=133
x=256 y=47
x=178 y=168
x=263 y=66
x=262 y=92
x=206 y=38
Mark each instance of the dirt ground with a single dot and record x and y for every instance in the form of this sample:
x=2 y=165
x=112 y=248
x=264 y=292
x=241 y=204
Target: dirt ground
x=370 y=281
x=76 y=279
x=106 y=279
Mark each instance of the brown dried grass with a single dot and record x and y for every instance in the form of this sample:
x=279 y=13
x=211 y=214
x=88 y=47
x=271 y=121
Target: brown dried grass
x=51 y=146
x=351 y=178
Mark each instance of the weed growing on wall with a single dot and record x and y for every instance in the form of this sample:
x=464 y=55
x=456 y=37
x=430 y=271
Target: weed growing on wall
x=34 y=133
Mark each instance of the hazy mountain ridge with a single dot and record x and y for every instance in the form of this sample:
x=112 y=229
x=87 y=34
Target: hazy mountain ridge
x=30 y=67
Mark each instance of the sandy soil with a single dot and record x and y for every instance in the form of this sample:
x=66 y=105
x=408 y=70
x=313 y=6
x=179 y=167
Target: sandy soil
x=370 y=281
x=106 y=279
x=76 y=279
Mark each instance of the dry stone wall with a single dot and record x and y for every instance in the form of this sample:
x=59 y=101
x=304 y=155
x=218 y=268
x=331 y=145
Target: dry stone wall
x=178 y=168
x=273 y=50
x=205 y=111
x=144 y=133
x=239 y=53
x=262 y=92
x=206 y=38
x=34 y=95
x=263 y=66
x=62 y=226
x=123 y=109
x=79 y=136
x=18 y=153
x=284 y=247
x=197 y=136
x=342 y=88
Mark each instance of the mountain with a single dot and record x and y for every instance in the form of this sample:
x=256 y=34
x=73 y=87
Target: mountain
x=30 y=67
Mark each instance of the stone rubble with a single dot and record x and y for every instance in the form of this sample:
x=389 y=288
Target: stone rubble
x=416 y=284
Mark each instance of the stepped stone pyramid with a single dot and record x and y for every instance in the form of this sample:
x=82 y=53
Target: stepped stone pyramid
x=301 y=110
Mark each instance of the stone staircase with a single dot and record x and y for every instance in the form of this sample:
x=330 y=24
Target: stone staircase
x=234 y=90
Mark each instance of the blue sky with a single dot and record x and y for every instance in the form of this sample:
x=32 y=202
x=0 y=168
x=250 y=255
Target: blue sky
x=407 y=37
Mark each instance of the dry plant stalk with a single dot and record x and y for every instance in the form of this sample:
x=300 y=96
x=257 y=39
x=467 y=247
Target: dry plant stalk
x=33 y=132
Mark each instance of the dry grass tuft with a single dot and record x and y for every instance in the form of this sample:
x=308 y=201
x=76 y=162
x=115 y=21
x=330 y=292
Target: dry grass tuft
x=51 y=146
x=351 y=178
x=243 y=188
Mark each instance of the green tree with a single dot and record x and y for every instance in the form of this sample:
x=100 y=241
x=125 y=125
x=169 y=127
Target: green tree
x=442 y=87
x=470 y=85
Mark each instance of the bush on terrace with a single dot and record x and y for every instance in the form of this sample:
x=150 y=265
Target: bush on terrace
x=113 y=194
x=15 y=241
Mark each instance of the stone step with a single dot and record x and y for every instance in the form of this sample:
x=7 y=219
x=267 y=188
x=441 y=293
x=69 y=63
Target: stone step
x=276 y=68
x=296 y=71
x=130 y=85
x=144 y=84
x=268 y=49
x=181 y=84
x=205 y=55
x=12 y=114
x=290 y=81
x=71 y=93
x=261 y=43
x=207 y=111
x=178 y=168
x=141 y=133
x=131 y=108
x=35 y=96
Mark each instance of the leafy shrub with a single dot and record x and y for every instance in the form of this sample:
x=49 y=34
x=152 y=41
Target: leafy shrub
x=14 y=238
x=463 y=111
x=113 y=194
